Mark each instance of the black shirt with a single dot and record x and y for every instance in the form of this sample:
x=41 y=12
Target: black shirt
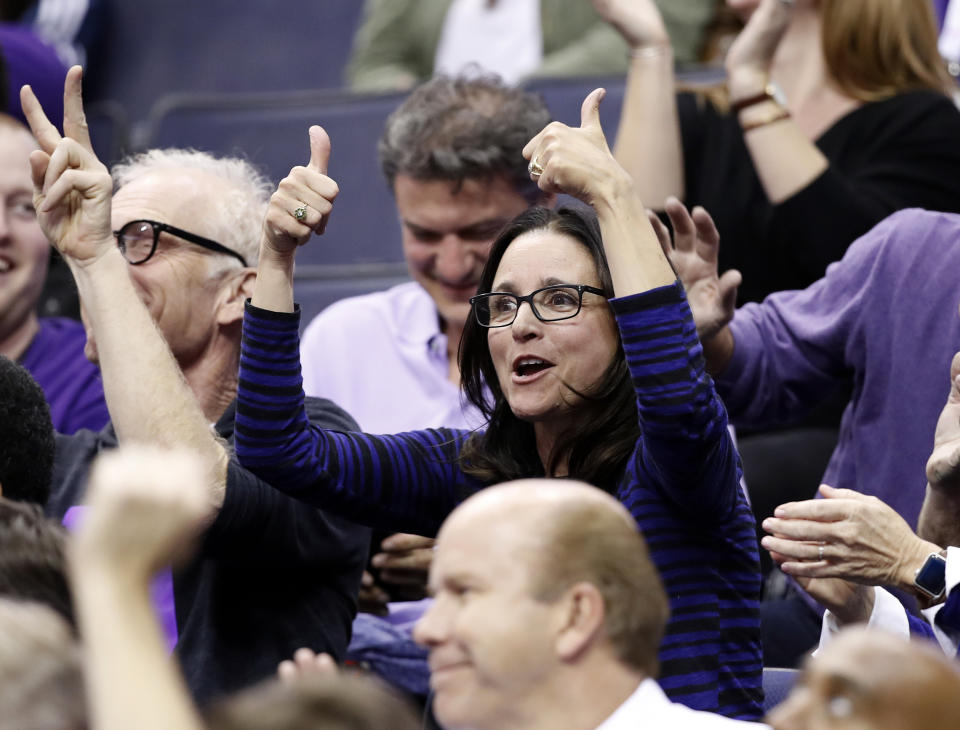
x=272 y=574
x=901 y=152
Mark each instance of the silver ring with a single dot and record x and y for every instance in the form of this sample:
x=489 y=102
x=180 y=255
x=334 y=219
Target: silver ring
x=820 y=551
x=535 y=168
x=300 y=213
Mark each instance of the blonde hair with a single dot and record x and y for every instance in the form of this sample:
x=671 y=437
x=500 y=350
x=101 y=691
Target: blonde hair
x=590 y=542
x=875 y=49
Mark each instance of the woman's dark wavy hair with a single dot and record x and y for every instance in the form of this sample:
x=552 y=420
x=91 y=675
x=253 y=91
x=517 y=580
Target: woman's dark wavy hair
x=596 y=449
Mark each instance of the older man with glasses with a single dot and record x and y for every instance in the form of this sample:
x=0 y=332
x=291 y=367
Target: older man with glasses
x=162 y=271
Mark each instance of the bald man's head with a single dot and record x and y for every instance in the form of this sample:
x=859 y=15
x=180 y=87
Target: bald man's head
x=873 y=680
x=539 y=585
x=566 y=532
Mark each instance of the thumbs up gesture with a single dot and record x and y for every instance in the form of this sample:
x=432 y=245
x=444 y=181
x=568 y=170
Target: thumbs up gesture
x=303 y=201
x=576 y=160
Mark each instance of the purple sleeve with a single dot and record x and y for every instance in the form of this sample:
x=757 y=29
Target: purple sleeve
x=792 y=350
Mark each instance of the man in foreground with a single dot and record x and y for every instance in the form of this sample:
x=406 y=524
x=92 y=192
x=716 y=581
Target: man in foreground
x=548 y=613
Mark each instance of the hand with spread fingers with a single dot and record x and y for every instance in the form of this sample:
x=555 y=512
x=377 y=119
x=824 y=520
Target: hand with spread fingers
x=577 y=160
x=303 y=201
x=694 y=253
x=72 y=188
x=845 y=535
x=750 y=56
x=638 y=21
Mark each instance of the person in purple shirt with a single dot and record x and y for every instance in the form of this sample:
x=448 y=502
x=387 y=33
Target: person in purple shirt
x=885 y=315
x=52 y=349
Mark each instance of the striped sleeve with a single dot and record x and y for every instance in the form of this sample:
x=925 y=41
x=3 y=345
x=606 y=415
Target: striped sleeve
x=687 y=450
x=407 y=482
x=683 y=490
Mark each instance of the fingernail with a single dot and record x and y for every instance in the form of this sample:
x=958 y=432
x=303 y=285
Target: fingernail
x=378 y=560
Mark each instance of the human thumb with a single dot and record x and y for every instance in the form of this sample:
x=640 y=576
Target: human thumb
x=319 y=149
x=590 y=110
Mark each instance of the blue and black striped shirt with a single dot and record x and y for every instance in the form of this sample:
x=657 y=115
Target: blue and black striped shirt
x=681 y=485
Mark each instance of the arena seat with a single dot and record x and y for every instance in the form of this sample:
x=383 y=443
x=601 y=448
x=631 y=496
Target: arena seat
x=150 y=48
x=271 y=130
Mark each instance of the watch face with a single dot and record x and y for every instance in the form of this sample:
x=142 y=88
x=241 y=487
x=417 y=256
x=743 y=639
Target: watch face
x=932 y=577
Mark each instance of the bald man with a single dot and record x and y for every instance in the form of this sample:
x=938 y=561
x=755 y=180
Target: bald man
x=876 y=681
x=548 y=614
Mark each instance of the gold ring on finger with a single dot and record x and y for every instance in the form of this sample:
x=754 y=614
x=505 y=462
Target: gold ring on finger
x=535 y=168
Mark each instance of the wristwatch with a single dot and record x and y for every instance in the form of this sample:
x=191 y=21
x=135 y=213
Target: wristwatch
x=931 y=579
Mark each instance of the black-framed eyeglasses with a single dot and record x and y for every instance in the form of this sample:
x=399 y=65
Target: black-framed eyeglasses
x=138 y=240
x=549 y=304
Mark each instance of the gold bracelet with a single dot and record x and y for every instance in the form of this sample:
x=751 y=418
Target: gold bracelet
x=784 y=114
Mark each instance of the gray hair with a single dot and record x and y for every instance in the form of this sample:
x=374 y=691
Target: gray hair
x=463 y=127
x=238 y=217
x=41 y=680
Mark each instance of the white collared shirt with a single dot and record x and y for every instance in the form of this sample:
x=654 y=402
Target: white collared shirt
x=889 y=614
x=649 y=707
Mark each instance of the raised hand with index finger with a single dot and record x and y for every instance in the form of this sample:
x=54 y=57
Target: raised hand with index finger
x=303 y=201
x=71 y=187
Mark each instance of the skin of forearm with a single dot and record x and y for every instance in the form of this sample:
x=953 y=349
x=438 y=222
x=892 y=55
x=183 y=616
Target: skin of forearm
x=718 y=350
x=857 y=609
x=785 y=160
x=148 y=399
x=648 y=137
x=273 y=289
x=131 y=680
x=940 y=516
x=637 y=261
x=913 y=554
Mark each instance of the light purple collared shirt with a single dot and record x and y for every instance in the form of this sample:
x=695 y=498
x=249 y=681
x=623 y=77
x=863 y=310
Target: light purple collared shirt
x=383 y=359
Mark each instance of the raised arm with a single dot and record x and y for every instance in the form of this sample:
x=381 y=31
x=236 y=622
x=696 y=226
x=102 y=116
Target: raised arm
x=405 y=482
x=577 y=161
x=648 y=138
x=72 y=191
x=686 y=446
x=785 y=159
x=145 y=505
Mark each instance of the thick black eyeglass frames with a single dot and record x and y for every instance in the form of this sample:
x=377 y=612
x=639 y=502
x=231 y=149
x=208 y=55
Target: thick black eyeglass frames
x=137 y=247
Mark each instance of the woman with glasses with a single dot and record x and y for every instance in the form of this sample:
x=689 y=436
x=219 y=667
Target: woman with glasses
x=583 y=354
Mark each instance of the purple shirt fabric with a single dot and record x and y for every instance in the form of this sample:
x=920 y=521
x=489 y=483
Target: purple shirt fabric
x=383 y=359
x=885 y=315
x=161 y=587
x=70 y=382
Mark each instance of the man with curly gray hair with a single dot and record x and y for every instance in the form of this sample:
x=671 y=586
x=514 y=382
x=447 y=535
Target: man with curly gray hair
x=164 y=256
x=451 y=155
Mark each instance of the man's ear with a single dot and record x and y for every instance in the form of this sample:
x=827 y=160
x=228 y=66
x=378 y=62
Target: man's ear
x=235 y=291
x=582 y=621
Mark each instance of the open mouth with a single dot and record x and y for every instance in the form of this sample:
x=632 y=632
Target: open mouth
x=527 y=366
